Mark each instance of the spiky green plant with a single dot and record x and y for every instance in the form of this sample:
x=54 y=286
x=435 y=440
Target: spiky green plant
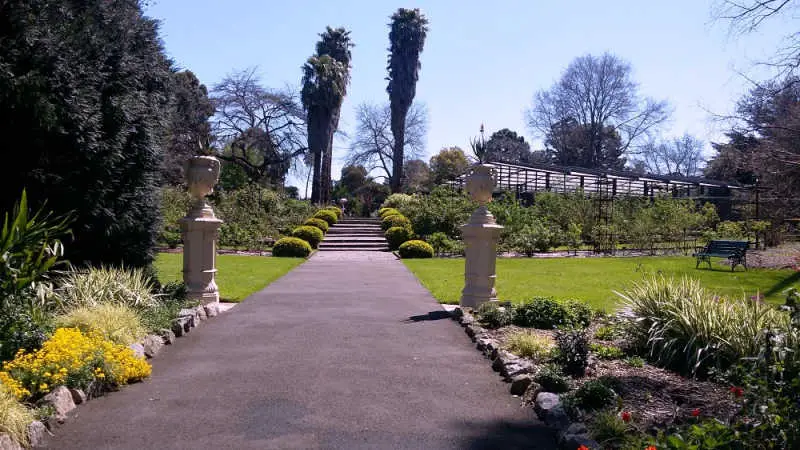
x=14 y=417
x=117 y=323
x=95 y=286
x=529 y=345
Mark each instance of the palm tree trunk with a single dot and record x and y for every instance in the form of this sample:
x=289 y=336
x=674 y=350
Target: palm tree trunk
x=315 y=147
x=398 y=126
x=328 y=162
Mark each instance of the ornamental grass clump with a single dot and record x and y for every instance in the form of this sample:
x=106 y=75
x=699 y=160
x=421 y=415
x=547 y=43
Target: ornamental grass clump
x=117 y=323
x=312 y=235
x=684 y=326
x=529 y=345
x=74 y=359
x=93 y=286
x=14 y=417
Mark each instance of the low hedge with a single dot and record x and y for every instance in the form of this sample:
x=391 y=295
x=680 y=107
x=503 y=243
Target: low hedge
x=292 y=247
x=396 y=236
x=319 y=223
x=395 y=220
x=416 y=249
x=327 y=215
x=312 y=235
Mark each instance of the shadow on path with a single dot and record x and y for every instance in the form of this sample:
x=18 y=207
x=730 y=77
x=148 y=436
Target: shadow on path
x=433 y=315
x=506 y=435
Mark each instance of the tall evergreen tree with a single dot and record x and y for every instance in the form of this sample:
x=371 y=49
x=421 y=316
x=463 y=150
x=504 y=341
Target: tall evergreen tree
x=84 y=101
x=409 y=27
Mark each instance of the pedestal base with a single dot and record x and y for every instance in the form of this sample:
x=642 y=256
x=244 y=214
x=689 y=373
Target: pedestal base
x=480 y=238
x=199 y=258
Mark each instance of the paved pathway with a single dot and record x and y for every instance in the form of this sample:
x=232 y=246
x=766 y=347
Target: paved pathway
x=341 y=353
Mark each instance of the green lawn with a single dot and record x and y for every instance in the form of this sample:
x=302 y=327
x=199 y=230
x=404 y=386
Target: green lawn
x=594 y=279
x=237 y=276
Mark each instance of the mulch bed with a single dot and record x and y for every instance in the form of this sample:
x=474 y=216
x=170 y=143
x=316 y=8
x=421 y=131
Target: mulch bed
x=653 y=396
x=786 y=256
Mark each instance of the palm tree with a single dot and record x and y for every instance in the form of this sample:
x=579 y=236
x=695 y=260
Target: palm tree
x=335 y=43
x=407 y=38
x=323 y=90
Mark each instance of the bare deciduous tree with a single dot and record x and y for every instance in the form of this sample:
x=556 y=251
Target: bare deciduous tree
x=679 y=156
x=597 y=94
x=373 y=143
x=262 y=130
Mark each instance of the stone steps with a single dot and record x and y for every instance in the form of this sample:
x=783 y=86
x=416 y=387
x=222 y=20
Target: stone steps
x=355 y=234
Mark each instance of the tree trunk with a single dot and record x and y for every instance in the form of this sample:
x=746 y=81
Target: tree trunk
x=398 y=131
x=328 y=162
x=316 y=149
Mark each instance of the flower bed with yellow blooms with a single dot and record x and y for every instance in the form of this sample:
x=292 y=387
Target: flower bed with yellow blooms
x=73 y=359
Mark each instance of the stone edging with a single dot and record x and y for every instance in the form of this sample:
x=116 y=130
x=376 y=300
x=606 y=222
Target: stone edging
x=520 y=372
x=63 y=400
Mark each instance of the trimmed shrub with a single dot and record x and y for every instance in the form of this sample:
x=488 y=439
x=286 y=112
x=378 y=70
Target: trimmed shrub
x=291 y=247
x=96 y=286
x=14 y=416
x=416 y=249
x=319 y=223
x=335 y=209
x=312 y=235
x=395 y=220
x=383 y=212
x=117 y=323
x=529 y=345
x=396 y=236
x=547 y=313
x=327 y=216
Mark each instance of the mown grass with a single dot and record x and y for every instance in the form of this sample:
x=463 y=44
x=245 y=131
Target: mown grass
x=593 y=280
x=237 y=275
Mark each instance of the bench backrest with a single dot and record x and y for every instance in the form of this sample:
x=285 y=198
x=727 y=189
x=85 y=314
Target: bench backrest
x=727 y=246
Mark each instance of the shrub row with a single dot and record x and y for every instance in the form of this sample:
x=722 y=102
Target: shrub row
x=307 y=237
x=538 y=312
x=400 y=235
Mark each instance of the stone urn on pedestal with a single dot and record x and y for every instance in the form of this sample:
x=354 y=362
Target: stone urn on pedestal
x=481 y=234
x=200 y=229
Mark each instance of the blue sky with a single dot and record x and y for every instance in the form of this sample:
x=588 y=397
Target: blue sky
x=482 y=60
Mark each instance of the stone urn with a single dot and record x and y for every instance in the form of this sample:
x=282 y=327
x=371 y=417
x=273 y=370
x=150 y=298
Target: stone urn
x=202 y=173
x=480 y=184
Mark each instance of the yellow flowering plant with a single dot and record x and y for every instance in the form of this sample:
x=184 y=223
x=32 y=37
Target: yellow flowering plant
x=73 y=359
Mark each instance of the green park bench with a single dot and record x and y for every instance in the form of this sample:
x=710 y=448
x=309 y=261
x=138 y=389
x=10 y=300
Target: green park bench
x=735 y=251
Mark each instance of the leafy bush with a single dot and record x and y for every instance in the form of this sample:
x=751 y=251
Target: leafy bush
x=443 y=210
x=174 y=205
x=686 y=327
x=573 y=351
x=327 y=216
x=634 y=361
x=74 y=359
x=529 y=345
x=547 y=313
x=95 y=286
x=551 y=379
x=396 y=236
x=535 y=237
x=595 y=394
x=395 y=220
x=319 y=223
x=312 y=235
x=609 y=428
x=172 y=297
x=443 y=244
x=14 y=417
x=336 y=210
x=291 y=247
x=398 y=201
x=117 y=323
x=493 y=315
x=606 y=351
x=416 y=249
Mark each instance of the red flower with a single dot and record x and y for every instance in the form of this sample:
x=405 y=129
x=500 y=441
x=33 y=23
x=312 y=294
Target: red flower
x=652 y=447
x=626 y=416
x=737 y=391
x=695 y=412
x=583 y=447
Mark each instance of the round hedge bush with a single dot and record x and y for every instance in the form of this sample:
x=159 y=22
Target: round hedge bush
x=395 y=220
x=319 y=223
x=383 y=212
x=335 y=209
x=397 y=235
x=416 y=249
x=312 y=235
x=327 y=215
x=291 y=247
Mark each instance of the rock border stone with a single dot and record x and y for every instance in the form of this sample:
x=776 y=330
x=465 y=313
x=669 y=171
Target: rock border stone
x=520 y=373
